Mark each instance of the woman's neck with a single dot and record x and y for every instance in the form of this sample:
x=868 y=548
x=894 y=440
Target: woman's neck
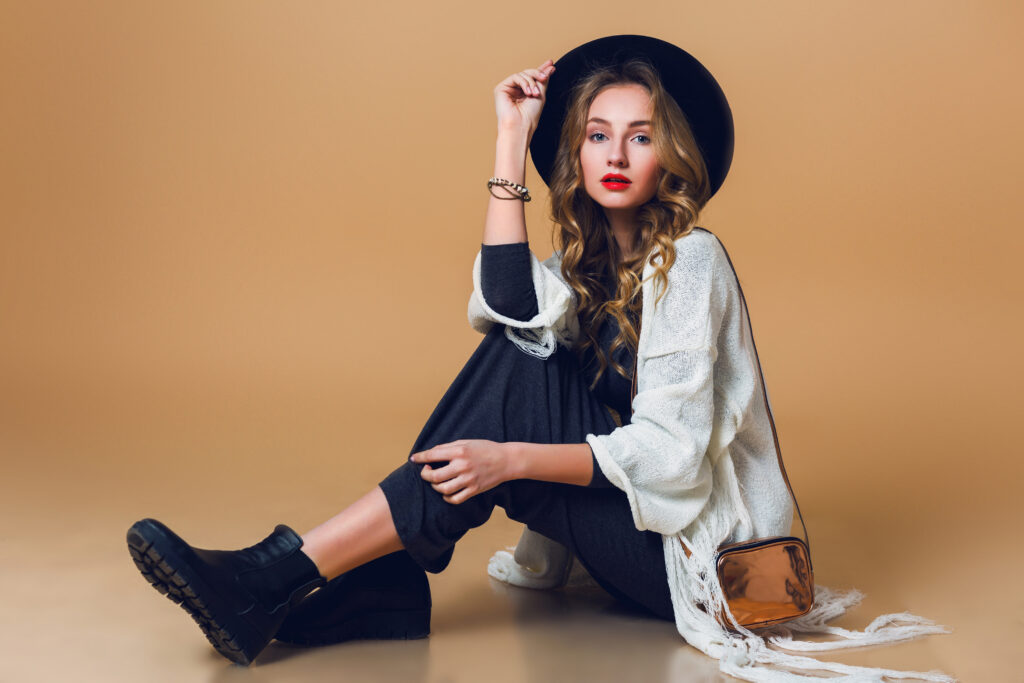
x=623 y=228
x=625 y=239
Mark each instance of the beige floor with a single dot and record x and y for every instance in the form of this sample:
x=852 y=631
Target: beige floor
x=75 y=609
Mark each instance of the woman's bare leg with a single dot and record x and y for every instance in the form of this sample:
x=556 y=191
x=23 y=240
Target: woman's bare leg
x=361 y=532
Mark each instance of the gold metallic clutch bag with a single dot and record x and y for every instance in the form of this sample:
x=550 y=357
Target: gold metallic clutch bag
x=766 y=581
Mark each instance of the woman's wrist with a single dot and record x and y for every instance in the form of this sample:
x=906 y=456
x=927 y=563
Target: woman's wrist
x=515 y=136
x=513 y=463
x=515 y=128
x=510 y=155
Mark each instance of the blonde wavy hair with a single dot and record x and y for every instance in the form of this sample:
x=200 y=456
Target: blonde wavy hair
x=582 y=231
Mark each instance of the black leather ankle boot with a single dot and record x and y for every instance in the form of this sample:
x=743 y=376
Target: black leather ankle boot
x=386 y=598
x=239 y=598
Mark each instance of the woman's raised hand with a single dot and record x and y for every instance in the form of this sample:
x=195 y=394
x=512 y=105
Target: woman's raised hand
x=519 y=98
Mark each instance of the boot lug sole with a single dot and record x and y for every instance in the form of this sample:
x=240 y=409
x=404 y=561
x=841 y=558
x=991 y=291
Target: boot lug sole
x=160 y=564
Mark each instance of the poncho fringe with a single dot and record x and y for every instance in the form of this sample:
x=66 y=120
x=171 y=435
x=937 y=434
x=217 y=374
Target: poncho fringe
x=693 y=584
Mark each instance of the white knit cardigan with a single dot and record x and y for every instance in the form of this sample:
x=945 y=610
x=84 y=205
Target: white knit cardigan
x=697 y=461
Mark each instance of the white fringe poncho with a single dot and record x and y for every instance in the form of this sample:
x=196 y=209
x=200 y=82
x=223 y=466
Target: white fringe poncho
x=697 y=463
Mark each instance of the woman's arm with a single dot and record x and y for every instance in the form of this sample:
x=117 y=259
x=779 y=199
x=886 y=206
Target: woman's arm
x=459 y=470
x=518 y=101
x=566 y=463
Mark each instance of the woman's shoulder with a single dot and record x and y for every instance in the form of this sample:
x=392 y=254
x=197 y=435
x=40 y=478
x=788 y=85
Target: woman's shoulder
x=701 y=271
x=697 y=250
x=699 y=241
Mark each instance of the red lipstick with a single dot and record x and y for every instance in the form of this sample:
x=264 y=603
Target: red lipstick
x=615 y=181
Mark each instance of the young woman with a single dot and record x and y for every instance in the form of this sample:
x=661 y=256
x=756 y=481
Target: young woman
x=633 y=136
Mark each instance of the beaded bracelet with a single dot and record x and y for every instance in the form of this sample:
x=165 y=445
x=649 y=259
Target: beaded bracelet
x=524 y=194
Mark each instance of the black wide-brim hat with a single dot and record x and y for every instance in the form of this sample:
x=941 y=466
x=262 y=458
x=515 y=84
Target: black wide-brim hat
x=690 y=84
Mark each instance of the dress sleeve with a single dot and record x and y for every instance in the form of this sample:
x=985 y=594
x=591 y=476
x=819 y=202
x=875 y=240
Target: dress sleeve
x=598 y=480
x=660 y=458
x=506 y=281
x=554 y=321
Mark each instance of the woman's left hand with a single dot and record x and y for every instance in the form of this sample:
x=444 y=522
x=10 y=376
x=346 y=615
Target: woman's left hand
x=474 y=466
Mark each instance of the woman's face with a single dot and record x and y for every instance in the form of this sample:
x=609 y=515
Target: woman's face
x=617 y=141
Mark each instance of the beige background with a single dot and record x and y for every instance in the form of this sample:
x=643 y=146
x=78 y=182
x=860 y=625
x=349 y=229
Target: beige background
x=234 y=266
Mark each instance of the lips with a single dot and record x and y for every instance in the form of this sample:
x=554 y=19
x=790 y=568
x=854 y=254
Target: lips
x=615 y=181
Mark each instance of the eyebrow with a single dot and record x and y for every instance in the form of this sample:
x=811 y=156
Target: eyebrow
x=631 y=125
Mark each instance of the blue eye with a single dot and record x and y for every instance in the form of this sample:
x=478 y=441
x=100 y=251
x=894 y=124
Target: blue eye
x=593 y=135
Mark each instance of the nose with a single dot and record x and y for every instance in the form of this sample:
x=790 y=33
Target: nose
x=616 y=156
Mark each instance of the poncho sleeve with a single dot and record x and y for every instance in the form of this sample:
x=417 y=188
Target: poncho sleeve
x=660 y=459
x=555 y=321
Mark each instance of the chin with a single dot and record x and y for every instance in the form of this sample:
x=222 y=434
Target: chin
x=621 y=205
